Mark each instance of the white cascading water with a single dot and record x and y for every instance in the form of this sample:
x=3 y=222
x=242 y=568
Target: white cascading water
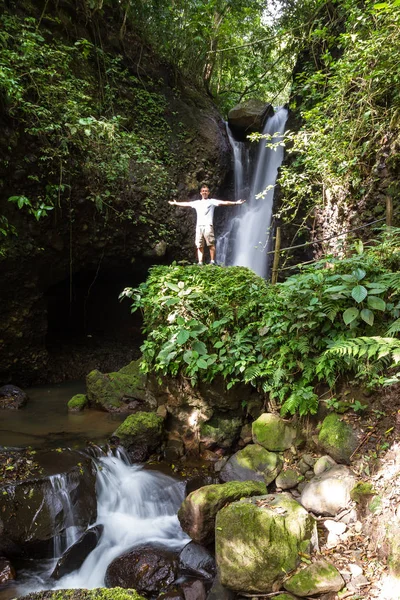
x=60 y=495
x=135 y=506
x=249 y=231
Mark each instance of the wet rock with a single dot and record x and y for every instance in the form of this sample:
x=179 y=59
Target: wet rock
x=329 y=492
x=197 y=512
x=258 y=540
x=253 y=463
x=12 y=397
x=171 y=595
x=77 y=403
x=146 y=569
x=122 y=391
x=220 y=592
x=194 y=590
x=317 y=578
x=273 y=433
x=196 y=559
x=33 y=512
x=76 y=554
x=7 y=572
x=337 y=438
x=95 y=594
x=141 y=434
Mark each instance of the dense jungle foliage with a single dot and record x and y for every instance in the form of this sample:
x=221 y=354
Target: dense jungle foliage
x=336 y=60
x=335 y=318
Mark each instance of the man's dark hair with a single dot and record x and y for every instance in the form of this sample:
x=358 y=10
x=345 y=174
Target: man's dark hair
x=203 y=185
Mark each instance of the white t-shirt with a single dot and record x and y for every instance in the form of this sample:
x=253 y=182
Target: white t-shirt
x=204 y=211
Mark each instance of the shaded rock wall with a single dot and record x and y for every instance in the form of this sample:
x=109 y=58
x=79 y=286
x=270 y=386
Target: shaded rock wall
x=69 y=267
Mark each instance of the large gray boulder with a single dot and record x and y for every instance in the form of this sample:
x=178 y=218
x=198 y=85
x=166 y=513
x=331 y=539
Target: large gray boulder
x=197 y=512
x=258 y=541
x=328 y=493
x=252 y=463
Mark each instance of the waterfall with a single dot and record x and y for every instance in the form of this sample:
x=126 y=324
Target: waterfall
x=135 y=506
x=60 y=499
x=249 y=231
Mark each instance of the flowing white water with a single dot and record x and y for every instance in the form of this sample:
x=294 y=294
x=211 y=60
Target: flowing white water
x=249 y=232
x=60 y=496
x=135 y=506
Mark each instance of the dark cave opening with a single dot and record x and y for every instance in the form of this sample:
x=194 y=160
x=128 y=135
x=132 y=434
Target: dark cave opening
x=88 y=326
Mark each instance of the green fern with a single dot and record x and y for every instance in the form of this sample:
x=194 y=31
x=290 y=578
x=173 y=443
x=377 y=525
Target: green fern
x=394 y=328
x=369 y=347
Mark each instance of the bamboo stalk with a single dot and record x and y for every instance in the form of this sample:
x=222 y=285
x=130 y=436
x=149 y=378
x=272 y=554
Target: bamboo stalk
x=389 y=211
x=274 y=277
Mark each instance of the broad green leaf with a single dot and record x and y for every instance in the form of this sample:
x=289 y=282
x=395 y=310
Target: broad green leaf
x=201 y=363
x=367 y=316
x=336 y=288
x=359 y=293
x=172 y=286
x=183 y=337
x=187 y=356
x=359 y=274
x=381 y=6
x=376 y=303
x=171 y=301
x=199 y=347
x=350 y=315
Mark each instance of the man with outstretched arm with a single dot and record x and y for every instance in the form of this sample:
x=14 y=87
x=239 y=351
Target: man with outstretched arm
x=205 y=226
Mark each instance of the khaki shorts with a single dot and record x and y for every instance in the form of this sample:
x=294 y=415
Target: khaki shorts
x=205 y=233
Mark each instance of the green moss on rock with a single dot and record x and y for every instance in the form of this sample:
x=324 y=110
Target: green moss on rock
x=96 y=594
x=337 y=438
x=114 y=391
x=77 y=403
x=197 y=513
x=142 y=426
x=258 y=541
x=220 y=431
x=273 y=433
x=252 y=463
x=317 y=578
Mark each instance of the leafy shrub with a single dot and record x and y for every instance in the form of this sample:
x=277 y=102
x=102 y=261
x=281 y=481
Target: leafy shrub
x=205 y=322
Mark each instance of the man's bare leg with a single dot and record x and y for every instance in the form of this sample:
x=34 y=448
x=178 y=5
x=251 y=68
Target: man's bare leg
x=200 y=255
x=212 y=254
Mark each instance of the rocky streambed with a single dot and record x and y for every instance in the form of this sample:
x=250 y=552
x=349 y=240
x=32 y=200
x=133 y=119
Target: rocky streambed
x=281 y=509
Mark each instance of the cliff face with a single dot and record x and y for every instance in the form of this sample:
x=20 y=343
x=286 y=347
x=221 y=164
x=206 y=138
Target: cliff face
x=97 y=135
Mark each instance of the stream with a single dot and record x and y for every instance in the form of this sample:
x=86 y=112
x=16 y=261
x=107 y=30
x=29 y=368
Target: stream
x=134 y=505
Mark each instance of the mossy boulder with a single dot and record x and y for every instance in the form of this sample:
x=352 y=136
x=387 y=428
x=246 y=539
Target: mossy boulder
x=197 y=512
x=141 y=434
x=273 y=433
x=77 y=403
x=252 y=463
x=96 y=594
x=220 y=431
x=318 y=578
x=337 y=438
x=258 y=540
x=121 y=391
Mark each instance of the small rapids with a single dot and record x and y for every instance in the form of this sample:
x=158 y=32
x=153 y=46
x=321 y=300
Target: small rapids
x=135 y=506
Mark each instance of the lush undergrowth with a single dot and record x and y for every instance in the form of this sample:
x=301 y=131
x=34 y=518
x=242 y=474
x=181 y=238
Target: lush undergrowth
x=337 y=317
